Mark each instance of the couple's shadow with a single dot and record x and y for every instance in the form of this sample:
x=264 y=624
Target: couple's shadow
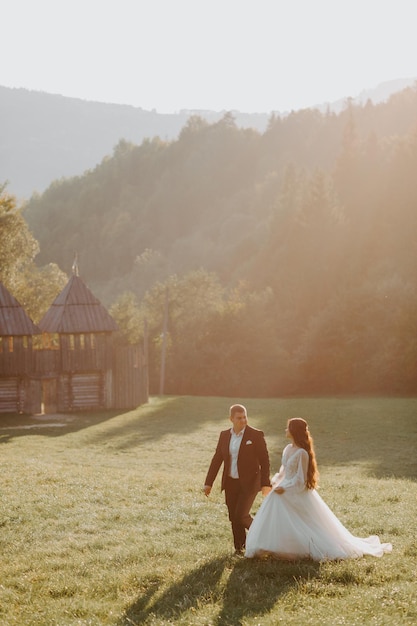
x=252 y=588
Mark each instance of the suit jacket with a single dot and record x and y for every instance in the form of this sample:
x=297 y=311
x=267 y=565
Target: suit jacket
x=252 y=461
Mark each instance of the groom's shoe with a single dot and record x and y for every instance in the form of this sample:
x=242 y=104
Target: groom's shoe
x=239 y=553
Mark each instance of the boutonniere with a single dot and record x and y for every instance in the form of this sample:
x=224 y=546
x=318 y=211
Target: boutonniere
x=248 y=443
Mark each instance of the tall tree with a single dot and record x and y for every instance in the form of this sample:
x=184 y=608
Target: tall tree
x=35 y=288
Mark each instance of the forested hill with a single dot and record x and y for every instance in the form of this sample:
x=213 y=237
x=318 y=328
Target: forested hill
x=44 y=136
x=209 y=199
x=317 y=215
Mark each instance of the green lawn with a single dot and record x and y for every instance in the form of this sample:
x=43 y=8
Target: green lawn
x=103 y=521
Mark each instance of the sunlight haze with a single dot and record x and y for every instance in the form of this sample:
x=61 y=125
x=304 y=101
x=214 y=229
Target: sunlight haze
x=244 y=55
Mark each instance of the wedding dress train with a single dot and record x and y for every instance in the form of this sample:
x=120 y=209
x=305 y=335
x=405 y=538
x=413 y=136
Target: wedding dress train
x=298 y=524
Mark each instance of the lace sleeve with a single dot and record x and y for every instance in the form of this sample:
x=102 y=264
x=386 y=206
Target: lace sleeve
x=296 y=478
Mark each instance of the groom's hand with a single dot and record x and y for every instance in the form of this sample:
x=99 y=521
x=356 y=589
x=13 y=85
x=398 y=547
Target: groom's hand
x=207 y=490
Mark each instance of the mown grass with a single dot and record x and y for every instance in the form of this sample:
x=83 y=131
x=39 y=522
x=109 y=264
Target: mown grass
x=103 y=521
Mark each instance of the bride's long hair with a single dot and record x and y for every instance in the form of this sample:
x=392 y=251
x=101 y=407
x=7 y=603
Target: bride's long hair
x=301 y=435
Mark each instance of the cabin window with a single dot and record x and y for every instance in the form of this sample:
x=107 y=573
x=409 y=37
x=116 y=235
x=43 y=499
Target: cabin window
x=37 y=342
x=82 y=342
x=25 y=341
x=92 y=341
x=49 y=341
x=1 y=345
x=10 y=343
x=71 y=341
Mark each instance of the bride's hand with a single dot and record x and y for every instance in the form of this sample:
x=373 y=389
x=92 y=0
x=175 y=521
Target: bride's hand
x=279 y=490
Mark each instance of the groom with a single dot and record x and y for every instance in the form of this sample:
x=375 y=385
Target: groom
x=244 y=454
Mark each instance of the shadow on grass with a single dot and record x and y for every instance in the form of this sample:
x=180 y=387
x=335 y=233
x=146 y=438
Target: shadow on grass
x=201 y=586
x=165 y=415
x=13 y=425
x=147 y=423
x=380 y=433
x=241 y=588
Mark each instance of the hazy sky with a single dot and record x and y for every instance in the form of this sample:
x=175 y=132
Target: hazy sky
x=245 y=55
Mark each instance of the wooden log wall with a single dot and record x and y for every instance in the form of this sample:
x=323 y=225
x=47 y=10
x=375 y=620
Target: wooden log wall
x=81 y=391
x=130 y=377
x=73 y=376
x=11 y=399
x=16 y=358
x=20 y=394
x=78 y=357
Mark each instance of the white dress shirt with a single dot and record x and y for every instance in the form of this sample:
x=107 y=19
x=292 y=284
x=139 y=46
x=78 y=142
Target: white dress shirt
x=234 y=446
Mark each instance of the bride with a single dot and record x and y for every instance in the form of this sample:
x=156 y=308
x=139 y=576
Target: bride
x=293 y=522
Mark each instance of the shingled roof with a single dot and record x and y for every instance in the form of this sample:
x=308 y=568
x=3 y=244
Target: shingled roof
x=76 y=310
x=14 y=321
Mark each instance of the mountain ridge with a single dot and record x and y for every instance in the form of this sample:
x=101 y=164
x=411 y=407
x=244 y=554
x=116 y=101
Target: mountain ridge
x=47 y=137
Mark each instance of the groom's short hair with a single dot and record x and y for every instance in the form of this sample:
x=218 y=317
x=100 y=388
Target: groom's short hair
x=237 y=408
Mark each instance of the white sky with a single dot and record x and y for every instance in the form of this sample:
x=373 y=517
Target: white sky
x=245 y=55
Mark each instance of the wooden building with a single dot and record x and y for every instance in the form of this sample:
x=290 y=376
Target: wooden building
x=75 y=359
x=18 y=391
x=84 y=364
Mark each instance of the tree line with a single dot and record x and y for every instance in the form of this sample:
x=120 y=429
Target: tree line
x=285 y=260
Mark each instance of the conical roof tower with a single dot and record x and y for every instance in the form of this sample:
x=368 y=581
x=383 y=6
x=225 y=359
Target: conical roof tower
x=14 y=321
x=77 y=310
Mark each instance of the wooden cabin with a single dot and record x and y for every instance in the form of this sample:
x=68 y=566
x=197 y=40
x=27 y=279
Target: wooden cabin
x=84 y=364
x=19 y=393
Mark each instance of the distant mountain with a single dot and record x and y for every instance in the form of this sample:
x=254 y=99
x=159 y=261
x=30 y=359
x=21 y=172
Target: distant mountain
x=45 y=137
x=380 y=93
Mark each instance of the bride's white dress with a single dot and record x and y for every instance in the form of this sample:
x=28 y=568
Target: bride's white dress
x=298 y=524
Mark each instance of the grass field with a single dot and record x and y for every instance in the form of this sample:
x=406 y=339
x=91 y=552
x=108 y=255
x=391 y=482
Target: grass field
x=103 y=521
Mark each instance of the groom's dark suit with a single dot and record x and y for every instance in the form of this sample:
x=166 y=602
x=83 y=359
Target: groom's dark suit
x=253 y=468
